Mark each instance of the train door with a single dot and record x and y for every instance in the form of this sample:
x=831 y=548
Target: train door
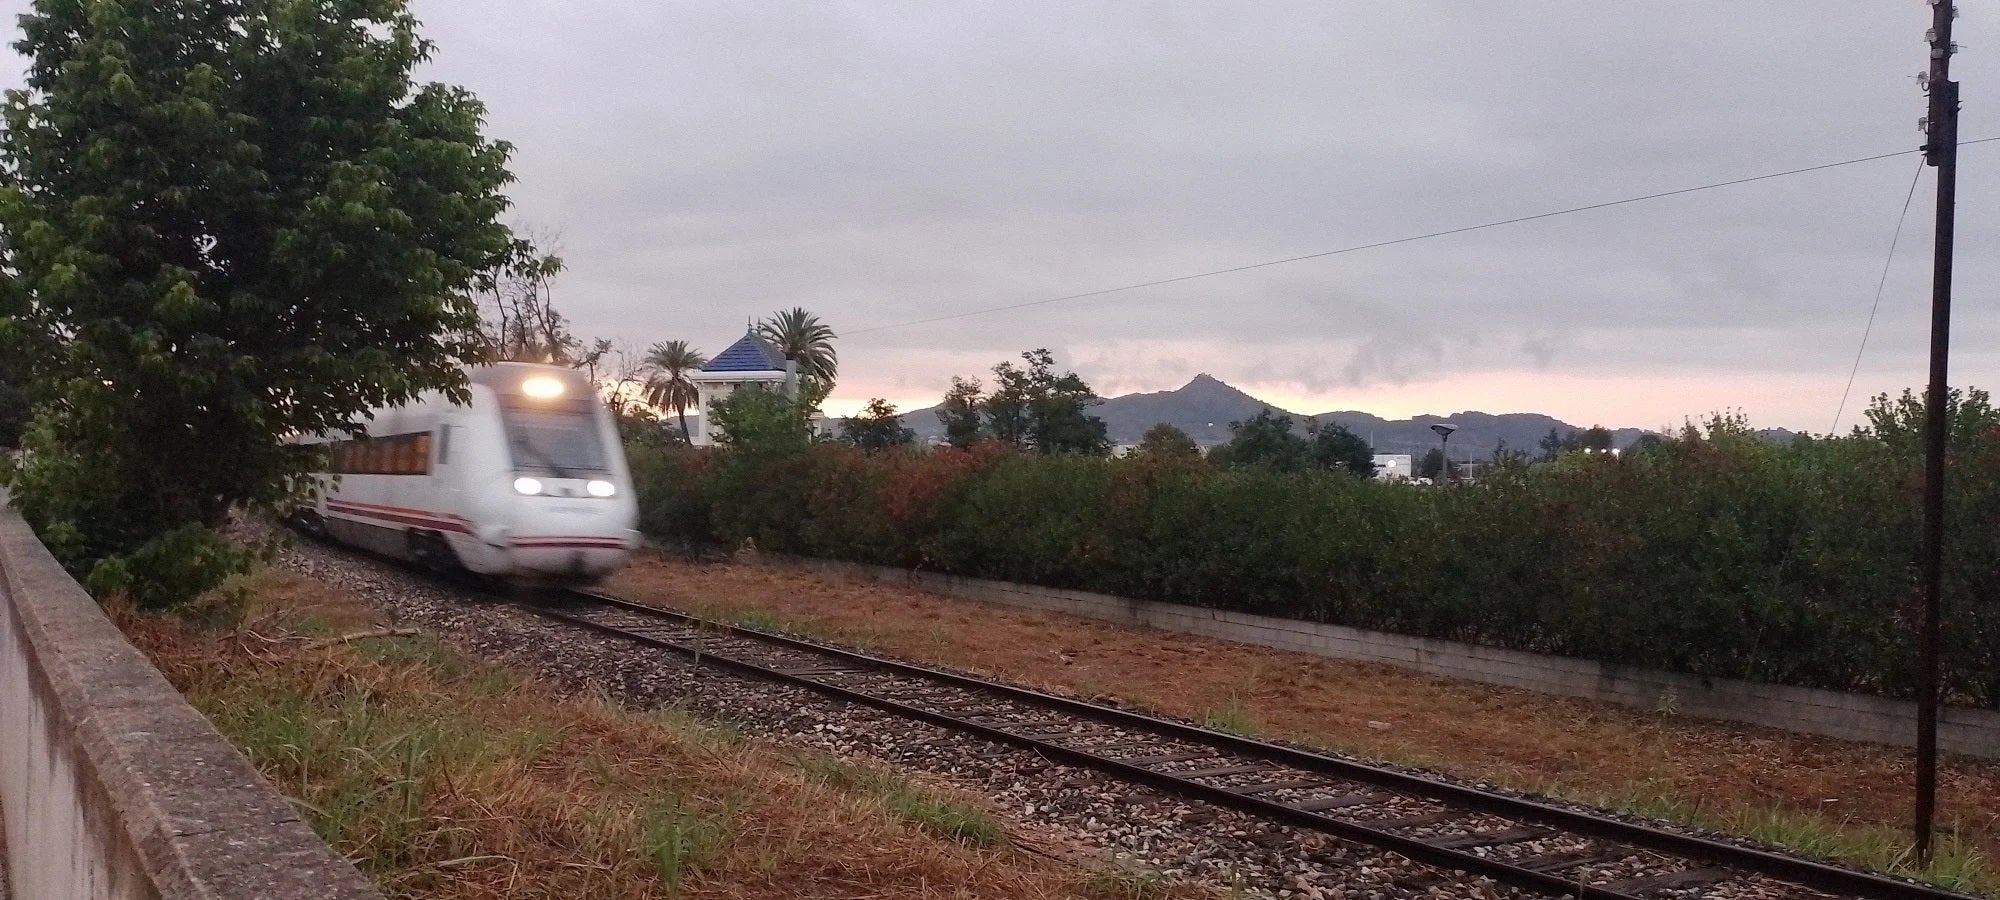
x=447 y=482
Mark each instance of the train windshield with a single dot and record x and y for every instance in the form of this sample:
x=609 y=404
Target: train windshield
x=559 y=442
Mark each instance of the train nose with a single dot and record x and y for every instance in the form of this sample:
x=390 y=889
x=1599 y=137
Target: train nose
x=583 y=556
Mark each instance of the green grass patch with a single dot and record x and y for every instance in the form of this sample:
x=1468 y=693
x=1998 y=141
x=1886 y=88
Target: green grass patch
x=1112 y=884
x=765 y=620
x=1955 y=864
x=711 y=736
x=945 y=818
x=679 y=839
x=1231 y=717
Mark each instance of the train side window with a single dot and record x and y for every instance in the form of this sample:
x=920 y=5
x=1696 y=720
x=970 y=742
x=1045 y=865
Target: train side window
x=444 y=445
x=401 y=454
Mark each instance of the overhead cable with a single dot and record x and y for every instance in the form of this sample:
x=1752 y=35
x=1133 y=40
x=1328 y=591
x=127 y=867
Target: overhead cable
x=1391 y=242
x=1894 y=238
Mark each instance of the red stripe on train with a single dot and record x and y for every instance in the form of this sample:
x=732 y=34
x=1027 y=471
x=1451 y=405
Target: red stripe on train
x=423 y=520
x=598 y=543
x=405 y=510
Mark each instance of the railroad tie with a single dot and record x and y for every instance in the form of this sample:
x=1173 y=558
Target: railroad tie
x=1218 y=771
x=1686 y=878
x=1490 y=838
x=1165 y=758
x=1052 y=736
x=1411 y=821
x=1570 y=859
x=1248 y=789
x=1343 y=801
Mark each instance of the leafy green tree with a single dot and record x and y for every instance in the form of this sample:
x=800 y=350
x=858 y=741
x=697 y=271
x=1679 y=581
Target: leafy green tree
x=1007 y=408
x=1648 y=443
x=1335 y=447
x=1265 y=441
x=802 y=337
x=1555 y=444
x=14 y=404
x=877 y=428
x=670 y=383
x=1899 y=422
x=960 y=412
x=761 y=423
x=1036 y=408
x=1165 y=442
x=1504 y=455
x=1432 y=465
x=639 y=427
x=222 y=223
x=1595 y=439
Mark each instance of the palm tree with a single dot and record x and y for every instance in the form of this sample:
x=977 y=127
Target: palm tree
x=669 y=386
x=801 y=336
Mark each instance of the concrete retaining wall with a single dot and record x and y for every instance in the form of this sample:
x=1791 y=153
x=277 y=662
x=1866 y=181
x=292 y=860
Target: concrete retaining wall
x=1856 y=717
x=110 y=784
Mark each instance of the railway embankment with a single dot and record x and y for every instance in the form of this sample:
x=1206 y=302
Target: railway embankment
x=1837 y=799
x=111 y=785
x=1835 y=714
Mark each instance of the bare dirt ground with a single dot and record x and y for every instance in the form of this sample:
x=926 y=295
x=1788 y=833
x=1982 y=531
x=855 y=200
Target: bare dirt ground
x=1824 y=796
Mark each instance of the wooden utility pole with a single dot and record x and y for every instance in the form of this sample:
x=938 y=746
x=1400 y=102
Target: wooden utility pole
x=1940 y=150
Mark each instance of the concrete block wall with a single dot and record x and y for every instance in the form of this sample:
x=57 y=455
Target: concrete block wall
x=111 y=785
x=1858 y=717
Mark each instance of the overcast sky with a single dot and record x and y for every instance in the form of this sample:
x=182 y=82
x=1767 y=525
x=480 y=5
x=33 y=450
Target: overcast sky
x=879 y=163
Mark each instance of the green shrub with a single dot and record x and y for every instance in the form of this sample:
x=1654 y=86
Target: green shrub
x=1714 y=553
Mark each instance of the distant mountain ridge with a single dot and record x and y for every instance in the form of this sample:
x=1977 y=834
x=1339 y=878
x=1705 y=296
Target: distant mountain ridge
x=1206 y=405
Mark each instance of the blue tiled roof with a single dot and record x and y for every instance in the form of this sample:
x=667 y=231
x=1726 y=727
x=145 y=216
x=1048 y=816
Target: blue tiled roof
x=751 y=354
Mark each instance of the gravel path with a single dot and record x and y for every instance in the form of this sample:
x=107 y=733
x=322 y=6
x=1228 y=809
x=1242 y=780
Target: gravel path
x=1081 y=811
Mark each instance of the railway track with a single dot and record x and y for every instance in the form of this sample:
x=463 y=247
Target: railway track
x=1552 y=850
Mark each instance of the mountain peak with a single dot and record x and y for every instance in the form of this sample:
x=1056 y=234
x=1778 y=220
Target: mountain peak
x=1206 y=386
x=1204 y=407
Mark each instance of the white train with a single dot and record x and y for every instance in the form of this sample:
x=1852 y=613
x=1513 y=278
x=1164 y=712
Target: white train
x=527 y=482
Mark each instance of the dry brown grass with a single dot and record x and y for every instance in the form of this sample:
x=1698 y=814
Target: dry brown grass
x=1827 y=797
x=446 y=778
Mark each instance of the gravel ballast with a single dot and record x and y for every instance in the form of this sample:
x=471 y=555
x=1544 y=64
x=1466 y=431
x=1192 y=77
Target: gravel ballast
x=1084 y=813
x=1078 y=814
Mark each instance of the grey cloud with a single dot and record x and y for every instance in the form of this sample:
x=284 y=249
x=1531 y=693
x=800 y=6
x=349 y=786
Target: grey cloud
x=882 y=163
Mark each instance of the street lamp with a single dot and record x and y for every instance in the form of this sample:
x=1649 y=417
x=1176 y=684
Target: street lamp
x=1444 y=430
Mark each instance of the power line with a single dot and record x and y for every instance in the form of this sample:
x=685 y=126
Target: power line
x=1879 y=285
x=1388 y=243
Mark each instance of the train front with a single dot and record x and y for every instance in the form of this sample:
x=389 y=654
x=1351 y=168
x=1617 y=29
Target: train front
x=572 y=518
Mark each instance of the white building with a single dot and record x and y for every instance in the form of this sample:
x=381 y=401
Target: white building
x=749 y=361
x=1394 y=466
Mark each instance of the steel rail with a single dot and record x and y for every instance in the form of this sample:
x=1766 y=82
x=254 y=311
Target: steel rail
x=1806 y=873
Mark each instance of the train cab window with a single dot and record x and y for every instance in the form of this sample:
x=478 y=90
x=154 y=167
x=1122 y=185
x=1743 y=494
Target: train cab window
x=559 y=439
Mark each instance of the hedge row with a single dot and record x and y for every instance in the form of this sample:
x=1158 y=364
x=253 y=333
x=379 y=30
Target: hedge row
x=1714 y=555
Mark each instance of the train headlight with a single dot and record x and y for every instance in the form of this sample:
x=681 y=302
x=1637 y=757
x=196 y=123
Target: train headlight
x=542 y=387
x=529 y=486
x=598 y=487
